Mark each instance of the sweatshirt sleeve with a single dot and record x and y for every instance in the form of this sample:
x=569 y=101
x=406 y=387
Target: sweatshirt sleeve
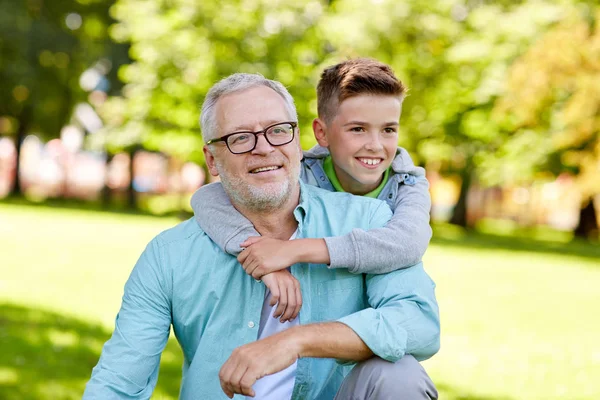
x=399 y=244
x=220 y=220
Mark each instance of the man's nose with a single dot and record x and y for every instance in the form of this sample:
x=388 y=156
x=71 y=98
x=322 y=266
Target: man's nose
x=262 y=146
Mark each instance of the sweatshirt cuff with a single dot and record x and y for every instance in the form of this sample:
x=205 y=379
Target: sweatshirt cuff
x=342 y=252
x=232 y=243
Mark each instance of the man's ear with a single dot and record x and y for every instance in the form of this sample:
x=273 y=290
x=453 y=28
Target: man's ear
x=210 y=161
x=297 y=139
x=320 y=131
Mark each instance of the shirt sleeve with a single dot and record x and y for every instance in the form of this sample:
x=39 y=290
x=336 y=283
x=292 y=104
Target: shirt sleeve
x=217 y=217
x=128 y=365
x=399 y=244
x=403 y=315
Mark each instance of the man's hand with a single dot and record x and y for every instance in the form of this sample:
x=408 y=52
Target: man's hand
x=252 y=361
x=263 y=255
x=285 y=291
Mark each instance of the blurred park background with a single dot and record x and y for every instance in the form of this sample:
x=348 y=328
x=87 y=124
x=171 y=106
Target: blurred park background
x=100 y=150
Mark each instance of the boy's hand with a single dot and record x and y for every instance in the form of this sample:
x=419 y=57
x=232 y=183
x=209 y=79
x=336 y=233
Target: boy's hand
x=263 y=255
x=285 y=292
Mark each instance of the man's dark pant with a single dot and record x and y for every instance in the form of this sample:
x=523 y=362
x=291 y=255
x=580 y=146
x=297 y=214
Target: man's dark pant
x=377 y=379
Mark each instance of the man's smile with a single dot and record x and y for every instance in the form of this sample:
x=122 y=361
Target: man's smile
x=265 y=169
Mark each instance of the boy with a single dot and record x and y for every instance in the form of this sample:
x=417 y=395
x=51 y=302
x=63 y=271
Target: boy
x=359 y=107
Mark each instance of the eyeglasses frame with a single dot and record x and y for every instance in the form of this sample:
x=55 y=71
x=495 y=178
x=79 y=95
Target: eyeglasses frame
x=263 y=132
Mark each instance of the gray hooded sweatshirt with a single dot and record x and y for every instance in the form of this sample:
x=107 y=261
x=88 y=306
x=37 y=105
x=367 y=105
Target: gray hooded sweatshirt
x=400 y=244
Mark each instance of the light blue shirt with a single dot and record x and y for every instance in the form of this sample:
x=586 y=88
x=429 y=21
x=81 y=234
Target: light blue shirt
x=183 y=279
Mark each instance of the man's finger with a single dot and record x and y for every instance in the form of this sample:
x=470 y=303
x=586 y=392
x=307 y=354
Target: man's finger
x=225 y=388
x=228 y=392
x=246 y=383
x=236 y=378
x=224 y=375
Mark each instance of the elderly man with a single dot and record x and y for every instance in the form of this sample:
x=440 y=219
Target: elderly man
x=222 y=317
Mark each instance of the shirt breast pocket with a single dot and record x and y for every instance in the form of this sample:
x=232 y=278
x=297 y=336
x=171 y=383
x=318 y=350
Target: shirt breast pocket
x=340 y=297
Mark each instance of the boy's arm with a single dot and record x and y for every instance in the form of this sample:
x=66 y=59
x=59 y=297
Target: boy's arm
x=403 y=314
x=227 y=227
x=220 y=220
x=128 y=365
x=399 y=244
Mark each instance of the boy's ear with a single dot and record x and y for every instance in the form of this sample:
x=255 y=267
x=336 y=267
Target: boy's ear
x=319 y=129
x=210 y=161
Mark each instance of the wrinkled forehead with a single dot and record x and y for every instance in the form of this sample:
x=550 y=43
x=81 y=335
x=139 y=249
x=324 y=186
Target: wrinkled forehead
x=250 y=110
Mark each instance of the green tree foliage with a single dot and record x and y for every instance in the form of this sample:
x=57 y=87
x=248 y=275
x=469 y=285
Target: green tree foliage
x=553 y=106
x=454 y=57
x=44 y=48
x=181 y=47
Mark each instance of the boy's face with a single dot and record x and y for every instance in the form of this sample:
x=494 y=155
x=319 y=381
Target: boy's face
x=362 y=139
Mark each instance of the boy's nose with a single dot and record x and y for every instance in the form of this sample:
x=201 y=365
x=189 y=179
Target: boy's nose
x=374 y=143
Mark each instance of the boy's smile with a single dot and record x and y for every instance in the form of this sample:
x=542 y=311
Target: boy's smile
x=362 y=139
x=370 y=162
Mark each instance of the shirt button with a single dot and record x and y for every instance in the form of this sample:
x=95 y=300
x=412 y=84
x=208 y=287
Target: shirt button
x=250 y=324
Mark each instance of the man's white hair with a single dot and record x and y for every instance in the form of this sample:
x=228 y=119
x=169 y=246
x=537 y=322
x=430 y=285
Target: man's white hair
x=236 y=83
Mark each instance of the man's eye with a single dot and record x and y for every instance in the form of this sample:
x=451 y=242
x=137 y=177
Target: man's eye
x=357 y=129
x=390 y=131
x=239 y=139
x=278 y=131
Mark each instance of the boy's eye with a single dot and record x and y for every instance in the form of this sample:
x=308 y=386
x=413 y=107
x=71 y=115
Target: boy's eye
x=357 y=129
x=390 y=131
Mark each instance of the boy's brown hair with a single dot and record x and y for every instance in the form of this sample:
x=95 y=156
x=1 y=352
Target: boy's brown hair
x=352 y=78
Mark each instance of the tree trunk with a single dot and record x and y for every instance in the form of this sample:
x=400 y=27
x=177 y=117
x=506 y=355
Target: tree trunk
x=588 y=221
x=21 y=134
x=131 y=197
x=106 y=193
x=459 y=215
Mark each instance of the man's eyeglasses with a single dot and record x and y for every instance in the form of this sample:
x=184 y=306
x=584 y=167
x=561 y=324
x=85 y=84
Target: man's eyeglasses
x=245 y=141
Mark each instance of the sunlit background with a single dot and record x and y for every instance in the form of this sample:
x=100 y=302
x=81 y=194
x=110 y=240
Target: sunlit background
x=100 y=150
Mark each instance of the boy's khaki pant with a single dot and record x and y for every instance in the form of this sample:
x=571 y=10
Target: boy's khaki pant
x=377 y=379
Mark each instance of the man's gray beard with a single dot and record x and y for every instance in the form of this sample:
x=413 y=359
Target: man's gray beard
x=257 y=198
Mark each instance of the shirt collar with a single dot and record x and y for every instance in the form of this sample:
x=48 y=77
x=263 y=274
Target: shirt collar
x=330 y=172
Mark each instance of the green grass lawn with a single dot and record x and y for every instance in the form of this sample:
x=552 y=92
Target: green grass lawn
x=519 y=317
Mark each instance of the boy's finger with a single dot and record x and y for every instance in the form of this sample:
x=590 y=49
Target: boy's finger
x=257 y=272
x=250 y=241
x=274 y=296
x=291 y=304
x=298 y=293
x=242 y=256
x=283 y=301
x=248 y=266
